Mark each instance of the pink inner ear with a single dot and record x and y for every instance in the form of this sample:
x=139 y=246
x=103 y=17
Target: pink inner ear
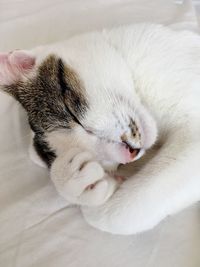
x=14 y=65
x=22 y=60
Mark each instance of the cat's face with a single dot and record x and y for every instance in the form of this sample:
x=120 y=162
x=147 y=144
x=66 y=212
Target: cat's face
x=81 y=93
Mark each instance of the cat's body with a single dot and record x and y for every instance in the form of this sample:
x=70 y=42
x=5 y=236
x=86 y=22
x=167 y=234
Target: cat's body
x=104 y=84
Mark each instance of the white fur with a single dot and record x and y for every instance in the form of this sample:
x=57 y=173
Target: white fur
x=164 y=68
x=106 y=77
x=166 y=71
x=74 y=172
x=157 y=73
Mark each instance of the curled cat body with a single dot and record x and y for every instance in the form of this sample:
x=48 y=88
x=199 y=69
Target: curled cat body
x=101 y=99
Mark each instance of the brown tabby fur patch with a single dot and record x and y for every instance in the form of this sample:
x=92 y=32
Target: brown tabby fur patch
x=54 y=98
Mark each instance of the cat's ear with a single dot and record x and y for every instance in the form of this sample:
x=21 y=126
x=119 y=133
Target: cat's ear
x=14 y=66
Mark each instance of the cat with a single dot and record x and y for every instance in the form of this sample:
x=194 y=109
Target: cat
x=106 y=98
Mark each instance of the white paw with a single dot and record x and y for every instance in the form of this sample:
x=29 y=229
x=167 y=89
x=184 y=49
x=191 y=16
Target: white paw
x=81 y=180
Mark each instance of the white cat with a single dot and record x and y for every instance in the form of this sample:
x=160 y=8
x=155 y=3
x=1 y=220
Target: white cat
x=104 y=98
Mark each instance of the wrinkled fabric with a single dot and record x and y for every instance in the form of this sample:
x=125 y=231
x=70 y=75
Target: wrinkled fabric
x=37 y=227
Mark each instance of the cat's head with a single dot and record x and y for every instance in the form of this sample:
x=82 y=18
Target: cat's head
x=80 y=93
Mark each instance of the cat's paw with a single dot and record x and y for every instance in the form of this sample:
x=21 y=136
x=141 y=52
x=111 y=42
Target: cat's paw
x=81 y=180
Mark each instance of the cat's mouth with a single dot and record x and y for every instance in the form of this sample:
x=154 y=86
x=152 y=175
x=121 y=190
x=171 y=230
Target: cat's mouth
x=133 y=151
x=130 y=153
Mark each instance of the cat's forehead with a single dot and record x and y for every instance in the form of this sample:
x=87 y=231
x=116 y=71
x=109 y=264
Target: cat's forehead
x=96 y=62
x=54 y=69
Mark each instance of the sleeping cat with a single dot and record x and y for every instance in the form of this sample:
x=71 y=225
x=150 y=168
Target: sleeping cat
x=104 y=98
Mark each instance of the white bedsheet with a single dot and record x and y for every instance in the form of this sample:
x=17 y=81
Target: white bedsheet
x=36 y=227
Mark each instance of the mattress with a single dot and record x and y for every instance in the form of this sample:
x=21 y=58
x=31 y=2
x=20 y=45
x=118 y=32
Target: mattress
x=37 y=227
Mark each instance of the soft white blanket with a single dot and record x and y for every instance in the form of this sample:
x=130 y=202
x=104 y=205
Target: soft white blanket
x=37 y=228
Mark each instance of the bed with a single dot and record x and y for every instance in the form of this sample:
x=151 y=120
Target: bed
x=37 y=227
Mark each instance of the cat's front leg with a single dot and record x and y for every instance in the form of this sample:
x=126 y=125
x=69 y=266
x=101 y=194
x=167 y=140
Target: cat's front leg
x=80 y=179
x=168 y=183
